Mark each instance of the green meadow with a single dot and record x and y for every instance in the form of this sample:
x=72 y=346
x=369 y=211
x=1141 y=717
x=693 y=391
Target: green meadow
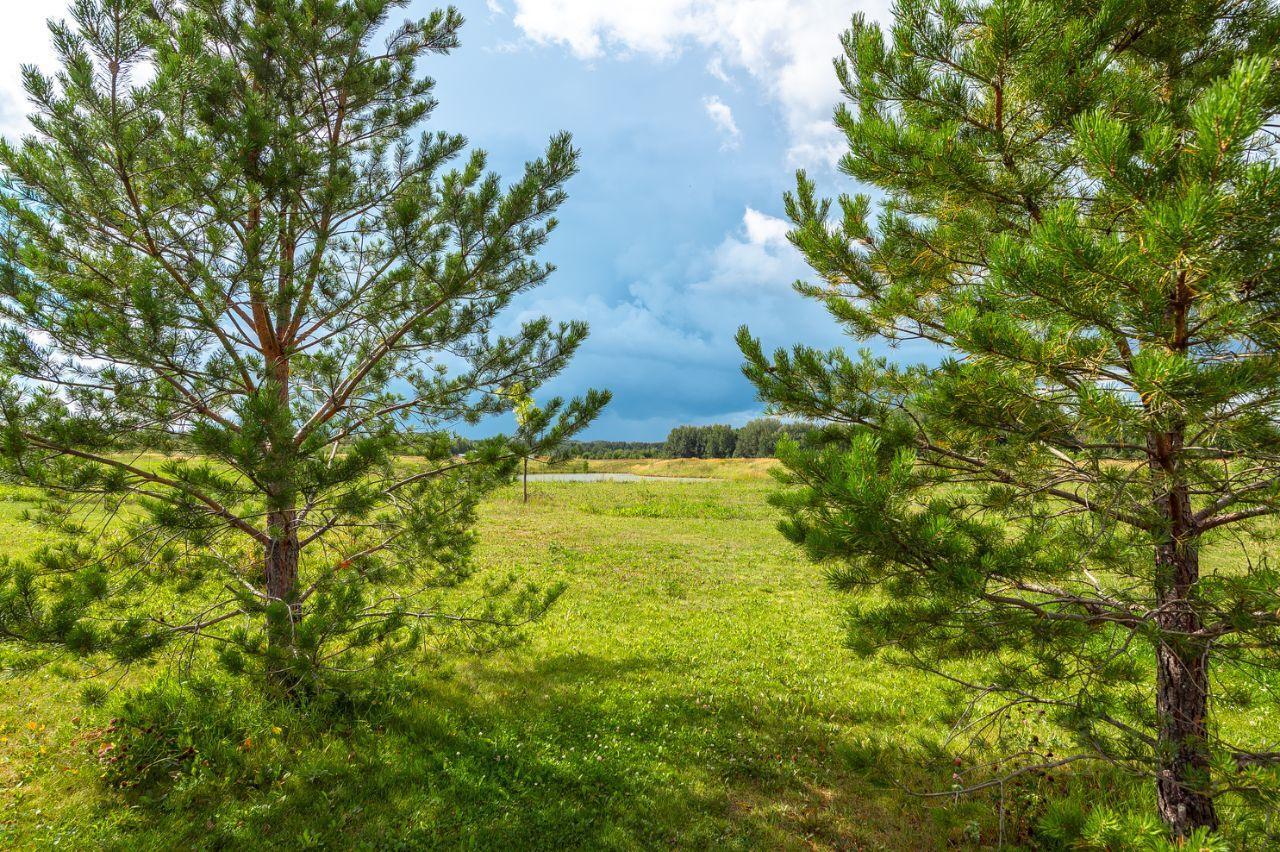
x=690 y=690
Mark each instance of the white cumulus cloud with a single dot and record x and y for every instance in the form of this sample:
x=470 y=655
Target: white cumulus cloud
x=24 y=39
x=765 y=230
x=784 y=46
x=721 y=115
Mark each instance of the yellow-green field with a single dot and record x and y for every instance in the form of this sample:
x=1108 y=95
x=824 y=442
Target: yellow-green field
x=689 y=691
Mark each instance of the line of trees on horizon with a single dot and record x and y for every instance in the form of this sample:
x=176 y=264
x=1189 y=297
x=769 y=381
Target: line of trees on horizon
x=757 y=439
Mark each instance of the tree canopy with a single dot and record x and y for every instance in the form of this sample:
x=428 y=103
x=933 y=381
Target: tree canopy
x=1079 y=206
x=228 y=228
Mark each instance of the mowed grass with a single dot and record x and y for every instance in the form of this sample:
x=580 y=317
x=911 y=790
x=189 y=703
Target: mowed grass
x=689 y=691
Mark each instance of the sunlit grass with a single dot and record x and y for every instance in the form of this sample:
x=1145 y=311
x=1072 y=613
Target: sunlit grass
x=690 y=691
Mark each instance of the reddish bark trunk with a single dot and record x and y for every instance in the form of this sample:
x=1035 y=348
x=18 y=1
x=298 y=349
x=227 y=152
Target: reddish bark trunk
x=280 y=560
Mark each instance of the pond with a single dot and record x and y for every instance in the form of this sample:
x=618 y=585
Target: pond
x=610 y=477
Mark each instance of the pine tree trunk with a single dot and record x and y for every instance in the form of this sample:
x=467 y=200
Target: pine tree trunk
x=283 y=551
x=281 y=564
x=526 y=480
x=1182 y=661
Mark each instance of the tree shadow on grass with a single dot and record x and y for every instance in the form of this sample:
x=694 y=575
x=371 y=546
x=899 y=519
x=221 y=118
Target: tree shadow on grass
x=572 y=752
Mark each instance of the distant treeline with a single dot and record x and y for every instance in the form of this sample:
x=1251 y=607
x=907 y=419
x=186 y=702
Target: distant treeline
x=618 y=450
x=756 y=440
x=595 y=449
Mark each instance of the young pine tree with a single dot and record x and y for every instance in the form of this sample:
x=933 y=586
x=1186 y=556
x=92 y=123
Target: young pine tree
x=227 y=236
x=536 y=437
x=1080 y=205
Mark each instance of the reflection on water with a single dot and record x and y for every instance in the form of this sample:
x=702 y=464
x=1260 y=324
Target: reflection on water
x=610 y=477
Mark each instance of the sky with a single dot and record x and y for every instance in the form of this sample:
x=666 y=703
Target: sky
x=693 y=117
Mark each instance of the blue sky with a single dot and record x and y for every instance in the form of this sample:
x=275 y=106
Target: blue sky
x=692 y=116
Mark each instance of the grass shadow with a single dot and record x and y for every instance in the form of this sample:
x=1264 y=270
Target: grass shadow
x=573 y=752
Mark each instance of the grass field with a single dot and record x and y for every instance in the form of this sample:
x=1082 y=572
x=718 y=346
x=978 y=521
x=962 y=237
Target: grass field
x=689 y=691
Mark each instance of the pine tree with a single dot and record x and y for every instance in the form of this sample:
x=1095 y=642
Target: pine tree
x=1079 y=209
x=536 y=433
x=228 y=236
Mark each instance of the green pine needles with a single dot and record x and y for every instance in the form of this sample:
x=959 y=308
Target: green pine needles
x=227 y=240
x=1079 y=209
